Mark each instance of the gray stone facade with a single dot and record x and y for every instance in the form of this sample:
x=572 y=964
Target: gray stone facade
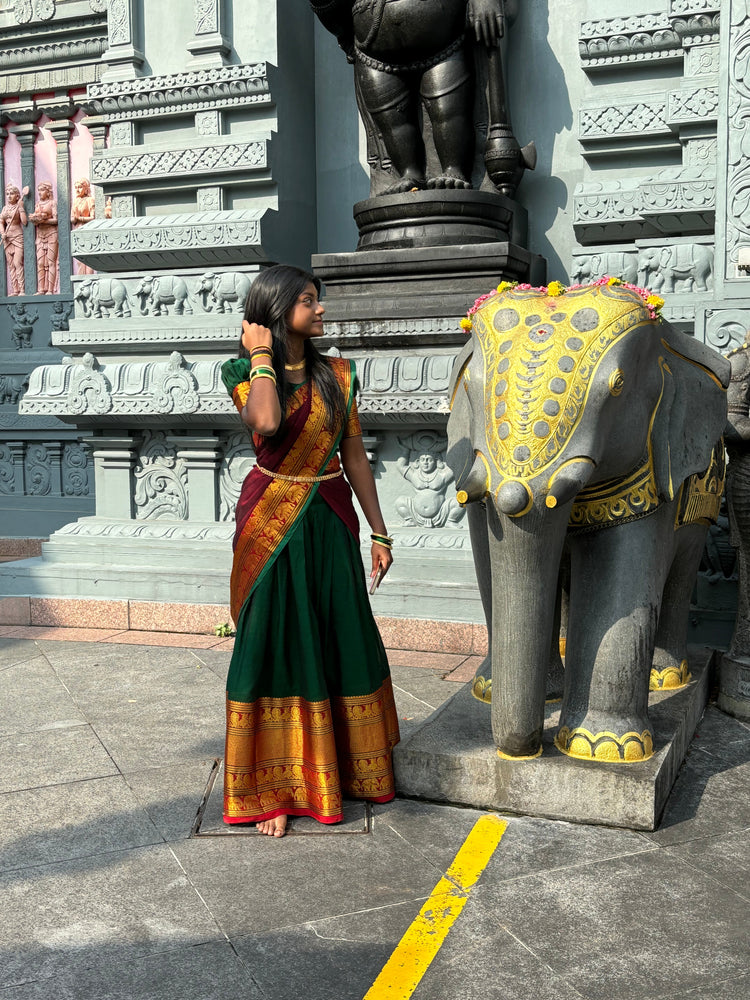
x=228 y=139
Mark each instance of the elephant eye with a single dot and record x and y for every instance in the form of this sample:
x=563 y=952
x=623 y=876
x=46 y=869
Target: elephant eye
x=616 y=382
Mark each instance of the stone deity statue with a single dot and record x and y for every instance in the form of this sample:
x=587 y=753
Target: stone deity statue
x=44 y=218
x=82 y=211
x=413 y=58
x=12 y=220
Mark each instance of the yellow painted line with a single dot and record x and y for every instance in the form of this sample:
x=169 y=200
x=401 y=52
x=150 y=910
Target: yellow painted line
x=415 y=951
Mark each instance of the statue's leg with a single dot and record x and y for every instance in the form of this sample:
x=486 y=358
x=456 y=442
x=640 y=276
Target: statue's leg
x=393 y=107
x=448 y=94
x=18 y=266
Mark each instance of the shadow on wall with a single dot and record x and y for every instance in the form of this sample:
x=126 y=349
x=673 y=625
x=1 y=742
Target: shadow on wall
x=539 y=99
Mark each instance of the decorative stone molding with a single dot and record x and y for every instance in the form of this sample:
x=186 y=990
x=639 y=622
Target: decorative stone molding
x=44 y=468
x=691 y=104
x=149 y=168
x=94 y=527
x=184 y=240
x=646 y=116
x=179 y=93
x=237 y=460
x=73 y=49
x=675 y=200
x=737 y=83
x=623 y=41
x=723 y=329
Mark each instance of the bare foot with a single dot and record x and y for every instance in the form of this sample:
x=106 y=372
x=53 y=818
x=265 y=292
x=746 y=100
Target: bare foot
x=275 y=827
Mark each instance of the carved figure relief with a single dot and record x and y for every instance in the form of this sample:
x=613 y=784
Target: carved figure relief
x=60 y=315
x=12 y=220
x=681 y=267
x=157 y=294
x=222 y=291
x=424 y=469
x=44 y=218
x=12 y=387
x=82 y=210
x=23 y=325
x=414 y=56
x=98 y=295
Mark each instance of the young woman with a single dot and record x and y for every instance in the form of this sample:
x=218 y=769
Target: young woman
x=310 y=713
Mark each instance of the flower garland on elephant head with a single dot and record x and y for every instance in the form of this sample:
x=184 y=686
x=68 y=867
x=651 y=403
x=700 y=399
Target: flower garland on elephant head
x=554 y=289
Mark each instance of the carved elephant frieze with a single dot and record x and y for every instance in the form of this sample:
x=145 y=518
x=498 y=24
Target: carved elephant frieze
x=662 y=267
x=97 y=296
x=223 y=291
x=157 y=294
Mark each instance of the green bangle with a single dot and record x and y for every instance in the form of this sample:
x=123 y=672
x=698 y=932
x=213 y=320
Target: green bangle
x=261 y=369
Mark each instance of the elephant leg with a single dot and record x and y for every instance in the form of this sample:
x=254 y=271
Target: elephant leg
x=617 y=579
x=525 y=566
x=476 y=515
x=670 y=666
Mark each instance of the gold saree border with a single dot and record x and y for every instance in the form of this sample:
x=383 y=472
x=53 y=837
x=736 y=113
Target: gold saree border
x=289 y=755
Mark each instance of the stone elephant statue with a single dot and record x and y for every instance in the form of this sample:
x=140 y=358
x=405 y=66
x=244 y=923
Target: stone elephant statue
x=98 y=295
x=224 y=289
x=662 y=267
x=156 y=294
x=580 y=420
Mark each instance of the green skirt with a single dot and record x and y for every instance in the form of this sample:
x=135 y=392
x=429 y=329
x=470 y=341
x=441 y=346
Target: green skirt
x=310 y=713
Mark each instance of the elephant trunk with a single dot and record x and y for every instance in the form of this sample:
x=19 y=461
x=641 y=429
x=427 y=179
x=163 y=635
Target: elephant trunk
x=526 y=553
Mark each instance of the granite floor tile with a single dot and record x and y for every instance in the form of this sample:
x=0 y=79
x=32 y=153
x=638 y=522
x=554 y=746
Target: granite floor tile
x=335 y=958
x=34 y=699
x=418 y=692
x=174 y=639
x=52 y=757
x=65 y=633
x=433 y=661
x=80 y=819
x=64 y=917
x=466 y=670
x=297 y=879
x=171 y=795
x=725 y=859
x=216 y=659
x=15 y=650
x=198 y=972
x=528 y=846
x=697 y=805
x=736 y=988
x=627 y=928
x=149 y=711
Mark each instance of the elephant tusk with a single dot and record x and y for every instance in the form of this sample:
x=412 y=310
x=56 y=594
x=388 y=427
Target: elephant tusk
x=568 y=481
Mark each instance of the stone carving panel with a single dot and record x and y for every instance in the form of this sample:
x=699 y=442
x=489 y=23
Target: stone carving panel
x=236 y=462
x=645 y=116
x=725 y=329
x=616 y=262
x=422 y=464
x=682 y=267
x=38 y=472
x=89 y=391
x=118 y=19
x=76 y=470
x=7 y=471
x=206 y=16
x=206 y=159
x=160 y=480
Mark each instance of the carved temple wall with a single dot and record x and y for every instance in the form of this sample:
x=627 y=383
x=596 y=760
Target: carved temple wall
x=225 y=142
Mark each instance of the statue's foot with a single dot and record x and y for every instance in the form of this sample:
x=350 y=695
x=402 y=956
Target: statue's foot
x=275 y=827
x=607 y=739
x=668 y=675
x=450 y=178
x=409 y=182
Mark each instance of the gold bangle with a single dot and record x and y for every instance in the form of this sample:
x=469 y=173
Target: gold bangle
x=263 y=375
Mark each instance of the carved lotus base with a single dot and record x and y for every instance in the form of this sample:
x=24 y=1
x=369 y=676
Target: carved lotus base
x=669 y=678
x=530 y=756
x=481 y=689
x=606 y=747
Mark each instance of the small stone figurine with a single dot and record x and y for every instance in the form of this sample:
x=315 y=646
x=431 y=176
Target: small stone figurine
x=82 y=211
x=44 y=218
x=12 y=220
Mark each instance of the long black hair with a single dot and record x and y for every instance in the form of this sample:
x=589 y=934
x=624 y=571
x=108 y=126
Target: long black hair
x=271 y=297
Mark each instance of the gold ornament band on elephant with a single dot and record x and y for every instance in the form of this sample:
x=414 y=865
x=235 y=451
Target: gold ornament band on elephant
x=669 y=678
x=605 y=746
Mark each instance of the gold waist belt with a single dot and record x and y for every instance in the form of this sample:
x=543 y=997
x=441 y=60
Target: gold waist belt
x=300 y=479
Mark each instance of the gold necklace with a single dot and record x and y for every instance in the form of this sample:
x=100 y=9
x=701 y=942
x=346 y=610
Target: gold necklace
x=296 y=368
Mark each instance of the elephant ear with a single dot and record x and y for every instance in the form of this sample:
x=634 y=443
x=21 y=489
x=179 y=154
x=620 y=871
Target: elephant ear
x=460 y=453
x=692 y=412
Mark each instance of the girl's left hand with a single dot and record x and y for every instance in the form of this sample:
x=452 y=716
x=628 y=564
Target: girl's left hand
x=382 y=559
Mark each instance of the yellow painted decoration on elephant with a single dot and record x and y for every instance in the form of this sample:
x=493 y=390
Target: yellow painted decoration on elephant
x=669 y=678
x=553 y=346
x=605 y=746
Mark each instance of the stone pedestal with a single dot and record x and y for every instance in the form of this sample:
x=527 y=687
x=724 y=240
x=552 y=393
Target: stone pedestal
x=451 y=758
x=734 y=686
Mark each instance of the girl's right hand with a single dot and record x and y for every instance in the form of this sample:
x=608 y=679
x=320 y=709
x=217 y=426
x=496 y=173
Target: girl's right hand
x=254 y=335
